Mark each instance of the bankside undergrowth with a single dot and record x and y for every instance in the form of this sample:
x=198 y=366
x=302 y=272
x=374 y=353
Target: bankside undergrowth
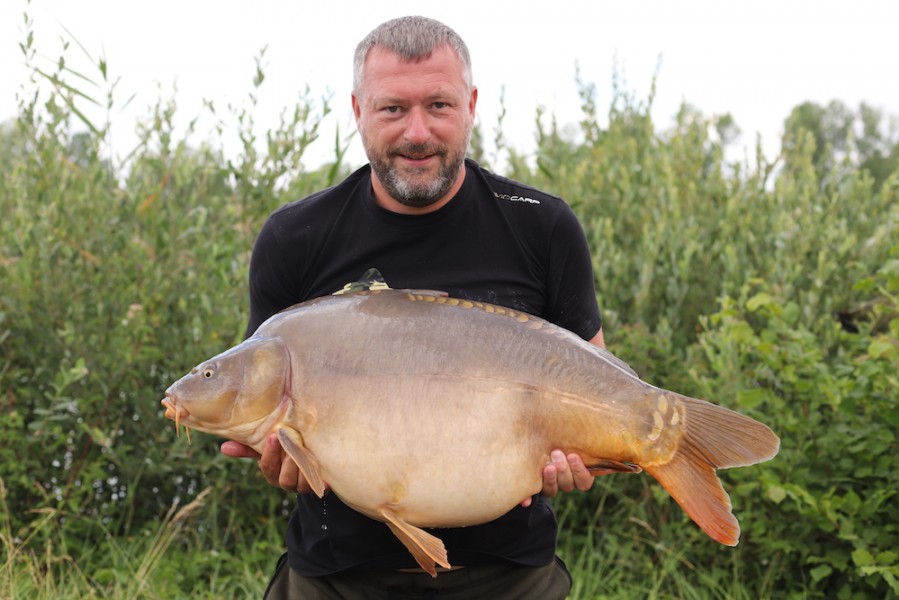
x=767 y=286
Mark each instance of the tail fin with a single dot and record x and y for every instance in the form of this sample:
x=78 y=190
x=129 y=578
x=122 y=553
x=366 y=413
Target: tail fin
x=714 y=438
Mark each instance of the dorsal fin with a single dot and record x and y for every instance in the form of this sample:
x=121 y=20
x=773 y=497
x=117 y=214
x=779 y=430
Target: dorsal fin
x=370 y=280
x=373 y=280
x=435 y=293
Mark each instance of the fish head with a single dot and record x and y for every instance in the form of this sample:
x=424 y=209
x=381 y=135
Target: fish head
x=232 y=394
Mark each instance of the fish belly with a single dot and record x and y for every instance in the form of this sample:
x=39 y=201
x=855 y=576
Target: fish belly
x=439 y=453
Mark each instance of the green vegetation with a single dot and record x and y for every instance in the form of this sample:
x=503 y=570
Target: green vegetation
x=768 y=287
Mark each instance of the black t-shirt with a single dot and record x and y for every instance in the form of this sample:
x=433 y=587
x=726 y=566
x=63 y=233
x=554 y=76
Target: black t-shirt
x=496 y=241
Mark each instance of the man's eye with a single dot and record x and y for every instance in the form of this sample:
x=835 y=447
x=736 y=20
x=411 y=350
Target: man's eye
x=392 y=109
x=439 y=105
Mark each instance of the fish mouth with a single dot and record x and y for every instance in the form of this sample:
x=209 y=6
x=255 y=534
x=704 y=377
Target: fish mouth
x=176 y=412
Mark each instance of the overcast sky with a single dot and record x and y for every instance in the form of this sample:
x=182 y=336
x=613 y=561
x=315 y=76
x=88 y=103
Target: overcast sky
x=755 y=59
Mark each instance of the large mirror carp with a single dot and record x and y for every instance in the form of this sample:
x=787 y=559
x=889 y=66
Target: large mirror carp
x=420 y=410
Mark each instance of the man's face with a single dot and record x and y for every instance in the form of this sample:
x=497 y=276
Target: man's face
x=415 y=119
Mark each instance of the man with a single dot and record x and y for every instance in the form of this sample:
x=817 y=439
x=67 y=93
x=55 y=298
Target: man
x=426 y=218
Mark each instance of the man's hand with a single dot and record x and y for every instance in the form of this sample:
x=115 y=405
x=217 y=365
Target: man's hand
x=277 y=467
x=563 y=473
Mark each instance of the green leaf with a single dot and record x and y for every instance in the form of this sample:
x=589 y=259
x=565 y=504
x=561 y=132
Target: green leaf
x=742 y=332
x=880 y=346
x=862 y=558
x=776 y=494
x=820 y=572
x=865 y=285
x=751 y=398
x=892 y=581
x=759 y=300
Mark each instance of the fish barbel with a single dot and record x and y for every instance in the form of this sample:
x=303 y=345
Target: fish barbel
x=420 y=410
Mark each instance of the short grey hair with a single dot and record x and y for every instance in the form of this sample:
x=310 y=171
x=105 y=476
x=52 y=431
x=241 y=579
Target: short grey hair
x=413 y=38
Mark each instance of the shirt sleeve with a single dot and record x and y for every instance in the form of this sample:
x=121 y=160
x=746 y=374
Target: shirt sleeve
x=271 y=279
x=570 y=282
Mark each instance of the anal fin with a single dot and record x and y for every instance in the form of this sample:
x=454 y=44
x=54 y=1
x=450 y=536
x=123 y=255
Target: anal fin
x=292 y=442
x=426 y=548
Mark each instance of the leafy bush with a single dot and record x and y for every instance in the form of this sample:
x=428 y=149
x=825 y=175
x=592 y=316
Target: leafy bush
x=834 y=401
x=113 y=282
x=820 y=520
x=770 y=288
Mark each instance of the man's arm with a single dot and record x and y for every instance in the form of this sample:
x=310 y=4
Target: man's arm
x=598 y=339
x=271 y=288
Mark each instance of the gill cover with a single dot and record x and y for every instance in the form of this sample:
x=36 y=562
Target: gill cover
x=239 y=385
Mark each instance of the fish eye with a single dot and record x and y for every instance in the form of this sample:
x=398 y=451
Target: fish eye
x=208 y=372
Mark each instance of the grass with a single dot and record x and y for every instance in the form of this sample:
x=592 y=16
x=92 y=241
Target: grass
x=172 y=561
x=611 y=552
x=608 y=554
x=166 y=561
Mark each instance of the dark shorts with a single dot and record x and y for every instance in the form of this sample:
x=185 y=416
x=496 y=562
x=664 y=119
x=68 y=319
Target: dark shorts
x=496 y=582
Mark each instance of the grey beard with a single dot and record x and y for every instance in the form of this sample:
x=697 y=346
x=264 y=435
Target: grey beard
x=417 y=195
x=421 y=195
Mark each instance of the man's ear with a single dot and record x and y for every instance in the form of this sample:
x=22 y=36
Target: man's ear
x=357 y=108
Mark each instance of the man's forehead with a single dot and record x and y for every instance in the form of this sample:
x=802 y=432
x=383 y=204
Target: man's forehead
x=382 y=55
x=389 y=74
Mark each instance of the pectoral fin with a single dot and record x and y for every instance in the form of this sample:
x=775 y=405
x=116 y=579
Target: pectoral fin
x=292 y=442
x=607 y=467
x=426 y=548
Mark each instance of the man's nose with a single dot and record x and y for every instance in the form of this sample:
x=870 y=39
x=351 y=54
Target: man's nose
x=417 y=129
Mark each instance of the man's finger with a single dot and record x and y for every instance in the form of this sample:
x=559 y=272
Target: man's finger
x=271 y=459
x=550 y=481
x=564 y=477
x=238 y=450
x=289 y=477
x=580 y=474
